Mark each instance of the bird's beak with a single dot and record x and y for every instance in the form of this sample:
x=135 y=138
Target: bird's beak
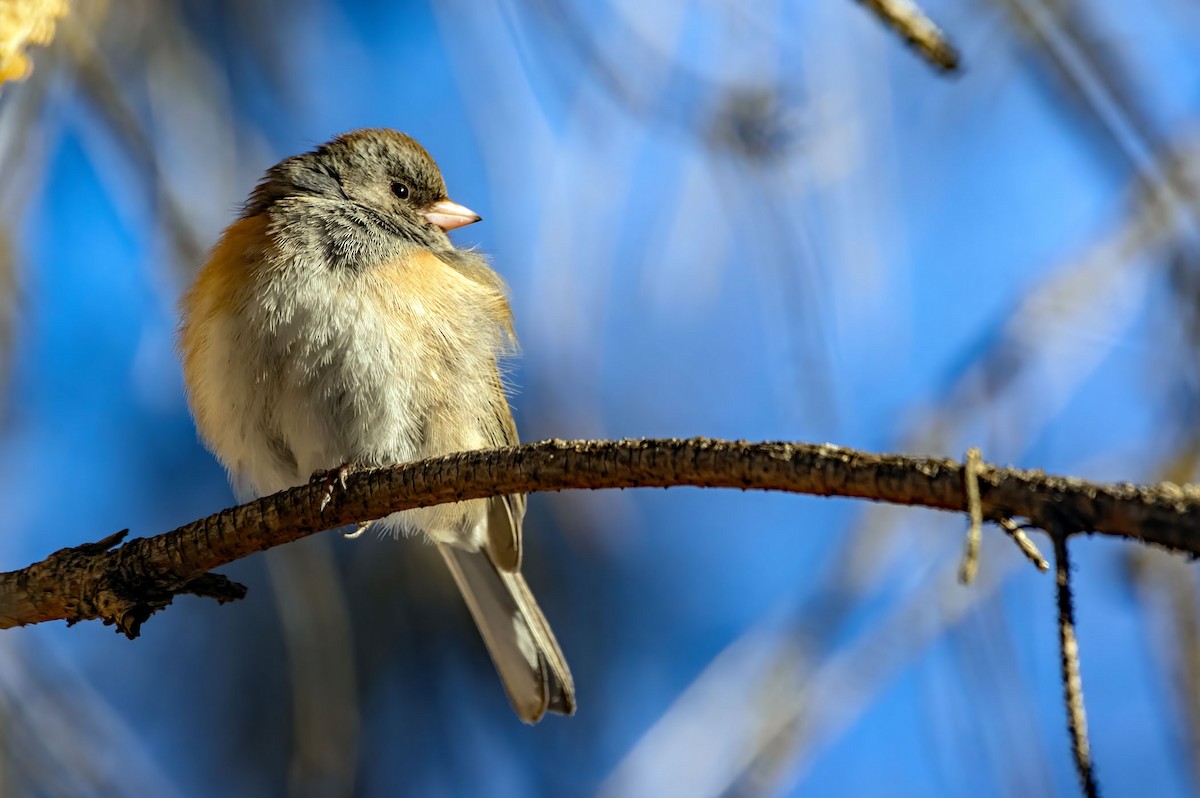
x=449 y=215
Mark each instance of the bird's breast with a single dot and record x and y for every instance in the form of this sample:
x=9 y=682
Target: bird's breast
x=293 y=366
x=378 y=356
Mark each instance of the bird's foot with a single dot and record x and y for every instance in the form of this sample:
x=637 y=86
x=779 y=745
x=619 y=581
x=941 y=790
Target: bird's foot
x=332 y=480
x=359 y=528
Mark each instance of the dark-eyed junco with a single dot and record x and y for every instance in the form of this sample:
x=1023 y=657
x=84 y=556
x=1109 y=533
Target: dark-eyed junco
x=334 y=325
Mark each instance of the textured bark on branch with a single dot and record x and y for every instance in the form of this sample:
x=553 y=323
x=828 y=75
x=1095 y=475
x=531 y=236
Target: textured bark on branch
x=125 y=585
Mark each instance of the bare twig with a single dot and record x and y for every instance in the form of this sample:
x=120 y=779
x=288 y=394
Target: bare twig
x=1028 y=547
x=1069 y=658
x=910 y=21
x=970 y=561
x=126 y=585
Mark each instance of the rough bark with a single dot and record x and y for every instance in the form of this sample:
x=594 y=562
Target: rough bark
x=125 y=585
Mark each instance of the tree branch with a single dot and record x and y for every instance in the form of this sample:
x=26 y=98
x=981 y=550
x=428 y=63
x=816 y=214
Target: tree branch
x=1072 y=681
x=125 y=585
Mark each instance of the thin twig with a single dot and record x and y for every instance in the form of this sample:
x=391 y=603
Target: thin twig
x=970 y=562
x=1024 y=543
x=910 y=21
x=1069 y=659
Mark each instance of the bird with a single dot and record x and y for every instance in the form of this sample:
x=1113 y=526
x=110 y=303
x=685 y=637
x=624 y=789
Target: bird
x=335 y=326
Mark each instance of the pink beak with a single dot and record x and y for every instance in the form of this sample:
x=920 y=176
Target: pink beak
x=449 y=215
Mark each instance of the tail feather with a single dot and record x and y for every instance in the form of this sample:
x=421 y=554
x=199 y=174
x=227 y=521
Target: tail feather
x=532 y=667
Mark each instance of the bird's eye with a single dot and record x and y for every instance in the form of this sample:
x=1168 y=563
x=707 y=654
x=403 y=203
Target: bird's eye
x=400 y=190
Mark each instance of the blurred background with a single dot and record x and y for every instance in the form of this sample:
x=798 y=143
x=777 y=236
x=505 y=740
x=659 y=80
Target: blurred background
x=761 y=220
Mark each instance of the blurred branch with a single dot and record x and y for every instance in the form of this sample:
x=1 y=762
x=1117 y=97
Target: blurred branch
x=318 y=635
x=908 y=19
x=1087 y=71
x=65 y=736
x=126 y=585
x=24 y=24
x=10 y=298
x=1167 y=596
x=102 y=87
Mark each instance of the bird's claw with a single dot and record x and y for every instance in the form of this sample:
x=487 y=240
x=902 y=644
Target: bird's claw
x=332 y=479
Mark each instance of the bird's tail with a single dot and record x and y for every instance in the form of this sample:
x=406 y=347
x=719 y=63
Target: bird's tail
x=532 y=667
